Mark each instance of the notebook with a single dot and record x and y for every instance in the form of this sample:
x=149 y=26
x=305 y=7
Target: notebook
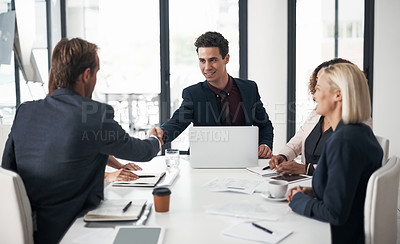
x=223 y=146
x=145 y=179
x=116 y=210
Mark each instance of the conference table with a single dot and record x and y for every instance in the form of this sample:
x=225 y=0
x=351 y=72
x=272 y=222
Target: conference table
x=188 y=220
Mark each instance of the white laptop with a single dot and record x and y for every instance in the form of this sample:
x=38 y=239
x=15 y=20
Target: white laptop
x=223 y=146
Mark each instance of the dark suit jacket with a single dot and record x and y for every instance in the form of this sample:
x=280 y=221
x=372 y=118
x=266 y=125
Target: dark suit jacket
x=340 y=181
x=59 y=146
x=200 y=107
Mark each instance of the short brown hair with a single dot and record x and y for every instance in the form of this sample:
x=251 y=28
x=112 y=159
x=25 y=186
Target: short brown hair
x=71 y=58
x=213 y=39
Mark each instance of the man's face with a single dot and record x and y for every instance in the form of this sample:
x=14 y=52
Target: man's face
x=211 y=63
x=92 y=80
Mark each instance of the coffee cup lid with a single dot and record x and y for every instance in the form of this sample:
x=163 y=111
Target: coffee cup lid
x=161 y=191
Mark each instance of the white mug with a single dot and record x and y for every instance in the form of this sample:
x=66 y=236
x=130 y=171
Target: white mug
x=277 y=188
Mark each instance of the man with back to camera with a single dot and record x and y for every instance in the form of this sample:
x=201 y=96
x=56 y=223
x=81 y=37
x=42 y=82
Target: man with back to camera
x=59 y=145
x=220 y=100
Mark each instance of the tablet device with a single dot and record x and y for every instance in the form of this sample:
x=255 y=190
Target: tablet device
x=139 y=234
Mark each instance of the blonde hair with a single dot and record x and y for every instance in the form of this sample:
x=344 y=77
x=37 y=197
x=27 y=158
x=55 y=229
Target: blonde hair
x=351 y=81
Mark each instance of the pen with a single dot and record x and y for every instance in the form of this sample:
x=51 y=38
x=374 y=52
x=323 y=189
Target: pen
x=126 y=207
x=146 y=176
x=263 y=228
x=266 y=167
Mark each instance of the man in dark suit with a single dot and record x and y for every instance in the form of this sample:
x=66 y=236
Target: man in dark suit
x=221 y=99
x=59 y=145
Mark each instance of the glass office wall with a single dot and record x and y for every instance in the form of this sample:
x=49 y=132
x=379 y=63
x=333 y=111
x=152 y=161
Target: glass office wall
x=28 y=90
x=127 y=32
x=188 y=20
x=315 y=42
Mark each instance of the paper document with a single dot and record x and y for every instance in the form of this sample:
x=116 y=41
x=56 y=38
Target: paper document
x=248 y=231
x=233 y=184
x=243 y=209
x=259 y=170
x=169 y=178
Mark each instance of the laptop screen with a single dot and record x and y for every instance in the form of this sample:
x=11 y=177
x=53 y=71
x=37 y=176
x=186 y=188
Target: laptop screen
x=223 y=146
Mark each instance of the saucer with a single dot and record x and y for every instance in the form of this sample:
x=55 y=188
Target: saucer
x=268 y=196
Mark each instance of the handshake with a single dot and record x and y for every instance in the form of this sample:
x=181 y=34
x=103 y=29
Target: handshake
x=157 y=132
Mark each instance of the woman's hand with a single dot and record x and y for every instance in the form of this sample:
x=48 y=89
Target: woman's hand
x=131 y=166
x=293 y=191
x=120 y=175
x=290 y=167
x=275 y=161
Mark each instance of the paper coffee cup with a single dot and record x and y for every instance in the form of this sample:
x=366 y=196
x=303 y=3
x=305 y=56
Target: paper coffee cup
x=161 y=199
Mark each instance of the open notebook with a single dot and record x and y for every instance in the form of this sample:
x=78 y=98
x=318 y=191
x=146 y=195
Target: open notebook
x=113 y=210
x=145 y=179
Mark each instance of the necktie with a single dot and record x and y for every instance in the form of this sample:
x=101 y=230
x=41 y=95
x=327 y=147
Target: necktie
x=225 y=119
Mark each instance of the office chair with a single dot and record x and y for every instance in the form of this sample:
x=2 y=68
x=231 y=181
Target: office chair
x=384 y=142
x=15 y=212
x=380 y=210
x=4 y=131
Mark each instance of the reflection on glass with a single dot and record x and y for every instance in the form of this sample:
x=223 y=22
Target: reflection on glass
x=28 y=90
x=188 y=20
x=127 y=32
x=315 y=42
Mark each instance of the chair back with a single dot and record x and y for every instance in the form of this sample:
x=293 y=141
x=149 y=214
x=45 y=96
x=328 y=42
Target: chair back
x=15 y=212
x=384 y=142
x=4 y=131
x=380 y=211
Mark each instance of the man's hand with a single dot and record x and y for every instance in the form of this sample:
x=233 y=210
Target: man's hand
x=290 y=167
x=302 y=189
x=264 y=151
x=120 y=175
x=275 y=161
x=131 y=166
x=157 y=132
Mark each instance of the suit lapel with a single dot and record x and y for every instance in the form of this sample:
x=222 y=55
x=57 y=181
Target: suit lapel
x=210 y=105
x=245 y=93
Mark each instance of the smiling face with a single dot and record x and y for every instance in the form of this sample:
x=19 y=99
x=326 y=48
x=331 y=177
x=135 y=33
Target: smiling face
x=212 y=65
x=325 y=97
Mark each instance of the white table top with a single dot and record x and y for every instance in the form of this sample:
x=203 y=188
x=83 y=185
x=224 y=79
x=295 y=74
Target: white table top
x=187 y=220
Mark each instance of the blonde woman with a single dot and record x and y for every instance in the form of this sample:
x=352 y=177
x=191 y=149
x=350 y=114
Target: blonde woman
x=349 y=158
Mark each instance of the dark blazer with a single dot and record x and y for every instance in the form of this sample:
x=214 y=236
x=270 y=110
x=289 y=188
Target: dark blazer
x=340 y=181
x=199 y=107
x=59 y=146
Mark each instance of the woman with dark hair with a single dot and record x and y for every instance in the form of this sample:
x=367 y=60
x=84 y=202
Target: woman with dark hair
x=310 y=139
x=349 y=158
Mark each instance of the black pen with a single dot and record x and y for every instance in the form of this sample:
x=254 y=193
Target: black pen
x=146 y=176
x=126 y=207
x=263 y=228
x=266 y=167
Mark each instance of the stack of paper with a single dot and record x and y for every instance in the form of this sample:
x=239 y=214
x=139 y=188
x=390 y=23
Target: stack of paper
x=233 y=184
x=169 y=178
x=247 y=231
x=243 y=209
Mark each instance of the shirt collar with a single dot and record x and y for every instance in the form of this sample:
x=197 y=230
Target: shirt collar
x=227 y=89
